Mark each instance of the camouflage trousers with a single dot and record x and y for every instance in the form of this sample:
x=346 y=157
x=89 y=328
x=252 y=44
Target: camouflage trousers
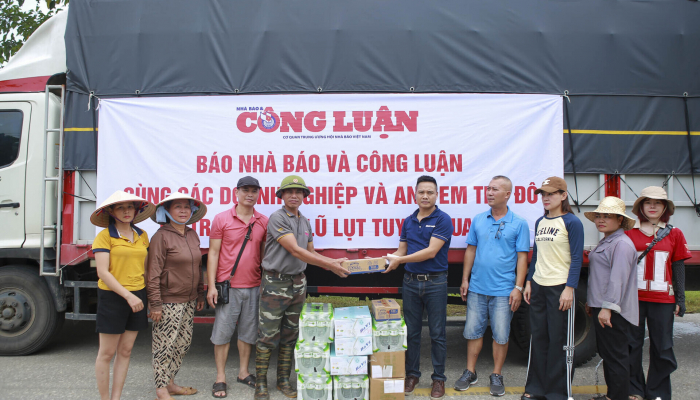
x=281 y=300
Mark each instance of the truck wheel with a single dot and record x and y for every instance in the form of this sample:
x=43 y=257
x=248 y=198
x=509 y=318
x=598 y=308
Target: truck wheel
x=28 y=317
x=584 y=330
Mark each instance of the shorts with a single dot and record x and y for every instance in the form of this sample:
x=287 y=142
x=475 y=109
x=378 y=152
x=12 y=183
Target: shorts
x=114 y=315
x=482 y=308
x=241 y=310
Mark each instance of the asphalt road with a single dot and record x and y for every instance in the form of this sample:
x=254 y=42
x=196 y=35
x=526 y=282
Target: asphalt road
x=65 y=370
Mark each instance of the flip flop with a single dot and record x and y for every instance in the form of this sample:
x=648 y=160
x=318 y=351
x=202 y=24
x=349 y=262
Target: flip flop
x=186 y=391
x=248 y=381
x=219 y=387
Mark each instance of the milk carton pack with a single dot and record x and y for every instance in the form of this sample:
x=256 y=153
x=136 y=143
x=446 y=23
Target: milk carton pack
x=347 y=365
x=353 y=346
x=314 y=387
x=316 y=323
x=385 y=309
x=352 y=322
x=312 y=358
x=351 y=387
x=389 y=336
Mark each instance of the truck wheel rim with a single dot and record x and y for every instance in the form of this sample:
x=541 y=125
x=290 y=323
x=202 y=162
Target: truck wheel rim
x=16 y=314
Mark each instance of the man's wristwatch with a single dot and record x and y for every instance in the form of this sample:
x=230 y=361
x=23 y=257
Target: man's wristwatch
x=519 y=288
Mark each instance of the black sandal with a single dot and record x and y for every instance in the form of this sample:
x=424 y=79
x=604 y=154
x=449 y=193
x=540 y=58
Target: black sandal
x=248 y=381
x=218 y=387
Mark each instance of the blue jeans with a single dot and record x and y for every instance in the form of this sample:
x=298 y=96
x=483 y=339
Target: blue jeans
x=480 y=310
x=430 y=294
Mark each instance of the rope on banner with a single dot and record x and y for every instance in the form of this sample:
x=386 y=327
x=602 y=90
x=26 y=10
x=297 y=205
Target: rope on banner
x=566 y=99
x=690 y=153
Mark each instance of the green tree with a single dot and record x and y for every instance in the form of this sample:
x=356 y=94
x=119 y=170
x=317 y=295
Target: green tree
x=16 y=25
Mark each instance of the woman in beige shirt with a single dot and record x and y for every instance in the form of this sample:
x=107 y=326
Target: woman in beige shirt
x=175 y=288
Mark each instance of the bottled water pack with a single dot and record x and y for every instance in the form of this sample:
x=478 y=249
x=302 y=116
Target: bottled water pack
x=314 y=387
x=316 y=323
x=351 y=387
x=312 y=358
x=389 y=335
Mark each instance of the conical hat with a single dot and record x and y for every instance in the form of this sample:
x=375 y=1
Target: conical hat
x=199 y=214
x=101 y=217
x=612 y=205
x=653 y=192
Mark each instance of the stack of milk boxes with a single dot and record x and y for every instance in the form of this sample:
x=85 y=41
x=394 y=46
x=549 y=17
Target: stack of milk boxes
x=388 y=359
x=353 y=343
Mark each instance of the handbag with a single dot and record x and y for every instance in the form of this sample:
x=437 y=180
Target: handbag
x=223 y=287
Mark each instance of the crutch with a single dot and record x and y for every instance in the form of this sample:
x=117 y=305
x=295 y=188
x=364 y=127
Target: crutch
x=569 y=347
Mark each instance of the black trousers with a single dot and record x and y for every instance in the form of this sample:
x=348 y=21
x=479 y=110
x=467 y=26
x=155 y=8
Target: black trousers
x=613 y=347
x=658 y=317
x=546 y=373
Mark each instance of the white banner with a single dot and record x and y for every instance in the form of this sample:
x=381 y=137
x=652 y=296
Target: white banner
x=359 y=153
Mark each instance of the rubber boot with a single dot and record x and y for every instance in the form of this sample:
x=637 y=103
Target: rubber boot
x=284 y=370
x=262 y=363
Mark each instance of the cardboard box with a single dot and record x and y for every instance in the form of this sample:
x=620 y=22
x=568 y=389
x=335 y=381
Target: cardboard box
x=354 y=387
x=352 y=322
x=316 y=323
x=389 y=335
x=312 y=358
x=386 y=389
x=314 y=387
x=387 y=365
x=348 y=365
x=353 y=346
x=386 y=309
x=365 y=265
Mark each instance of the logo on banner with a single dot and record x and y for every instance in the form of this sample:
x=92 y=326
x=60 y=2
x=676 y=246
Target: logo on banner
x=268 y=121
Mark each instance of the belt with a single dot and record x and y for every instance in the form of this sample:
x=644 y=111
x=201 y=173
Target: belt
x=425 y=277
x=282 y=276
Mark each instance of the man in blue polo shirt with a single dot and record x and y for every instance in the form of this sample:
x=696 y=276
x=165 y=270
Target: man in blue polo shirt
x=496 y=258
x=425 y=239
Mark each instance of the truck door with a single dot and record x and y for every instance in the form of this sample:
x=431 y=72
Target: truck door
x=14 y=131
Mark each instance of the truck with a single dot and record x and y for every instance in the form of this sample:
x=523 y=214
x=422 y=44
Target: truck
x=626 y=73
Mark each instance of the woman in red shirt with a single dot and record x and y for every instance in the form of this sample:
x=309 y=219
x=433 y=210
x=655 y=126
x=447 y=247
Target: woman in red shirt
x=661 y=284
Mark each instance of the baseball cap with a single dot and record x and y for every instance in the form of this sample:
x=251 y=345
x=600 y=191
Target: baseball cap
x=551 y=185
x=247 y=181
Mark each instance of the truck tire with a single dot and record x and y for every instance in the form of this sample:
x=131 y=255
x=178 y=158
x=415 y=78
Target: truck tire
x=28 y=316
x=584 y=329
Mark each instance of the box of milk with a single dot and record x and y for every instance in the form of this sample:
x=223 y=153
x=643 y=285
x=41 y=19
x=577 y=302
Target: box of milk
x=352 y=322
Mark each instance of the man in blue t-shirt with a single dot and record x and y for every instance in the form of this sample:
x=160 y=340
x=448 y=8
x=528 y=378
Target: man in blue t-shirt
x=496 y=259
x=425 y=239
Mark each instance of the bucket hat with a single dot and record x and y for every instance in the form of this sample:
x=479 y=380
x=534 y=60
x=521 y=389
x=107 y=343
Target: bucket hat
x=653 y=192
x=552 y=184
x=612 y=205
x=197 y=214
x=144 y=209
x=291 y=182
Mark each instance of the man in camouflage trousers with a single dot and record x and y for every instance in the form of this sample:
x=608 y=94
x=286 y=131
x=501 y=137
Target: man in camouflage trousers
x=288 y=249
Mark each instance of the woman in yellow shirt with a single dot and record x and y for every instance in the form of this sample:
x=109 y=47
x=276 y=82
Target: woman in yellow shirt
x=120 y=252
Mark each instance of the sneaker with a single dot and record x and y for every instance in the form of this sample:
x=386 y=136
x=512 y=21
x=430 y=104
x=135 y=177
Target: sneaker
x=497 y=386
x=467 y=379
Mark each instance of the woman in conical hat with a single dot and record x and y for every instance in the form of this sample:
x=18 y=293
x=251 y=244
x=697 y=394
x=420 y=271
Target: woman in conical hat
x=175 y=286
x=612 y=294
x=661 y=274
x=120 y=253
